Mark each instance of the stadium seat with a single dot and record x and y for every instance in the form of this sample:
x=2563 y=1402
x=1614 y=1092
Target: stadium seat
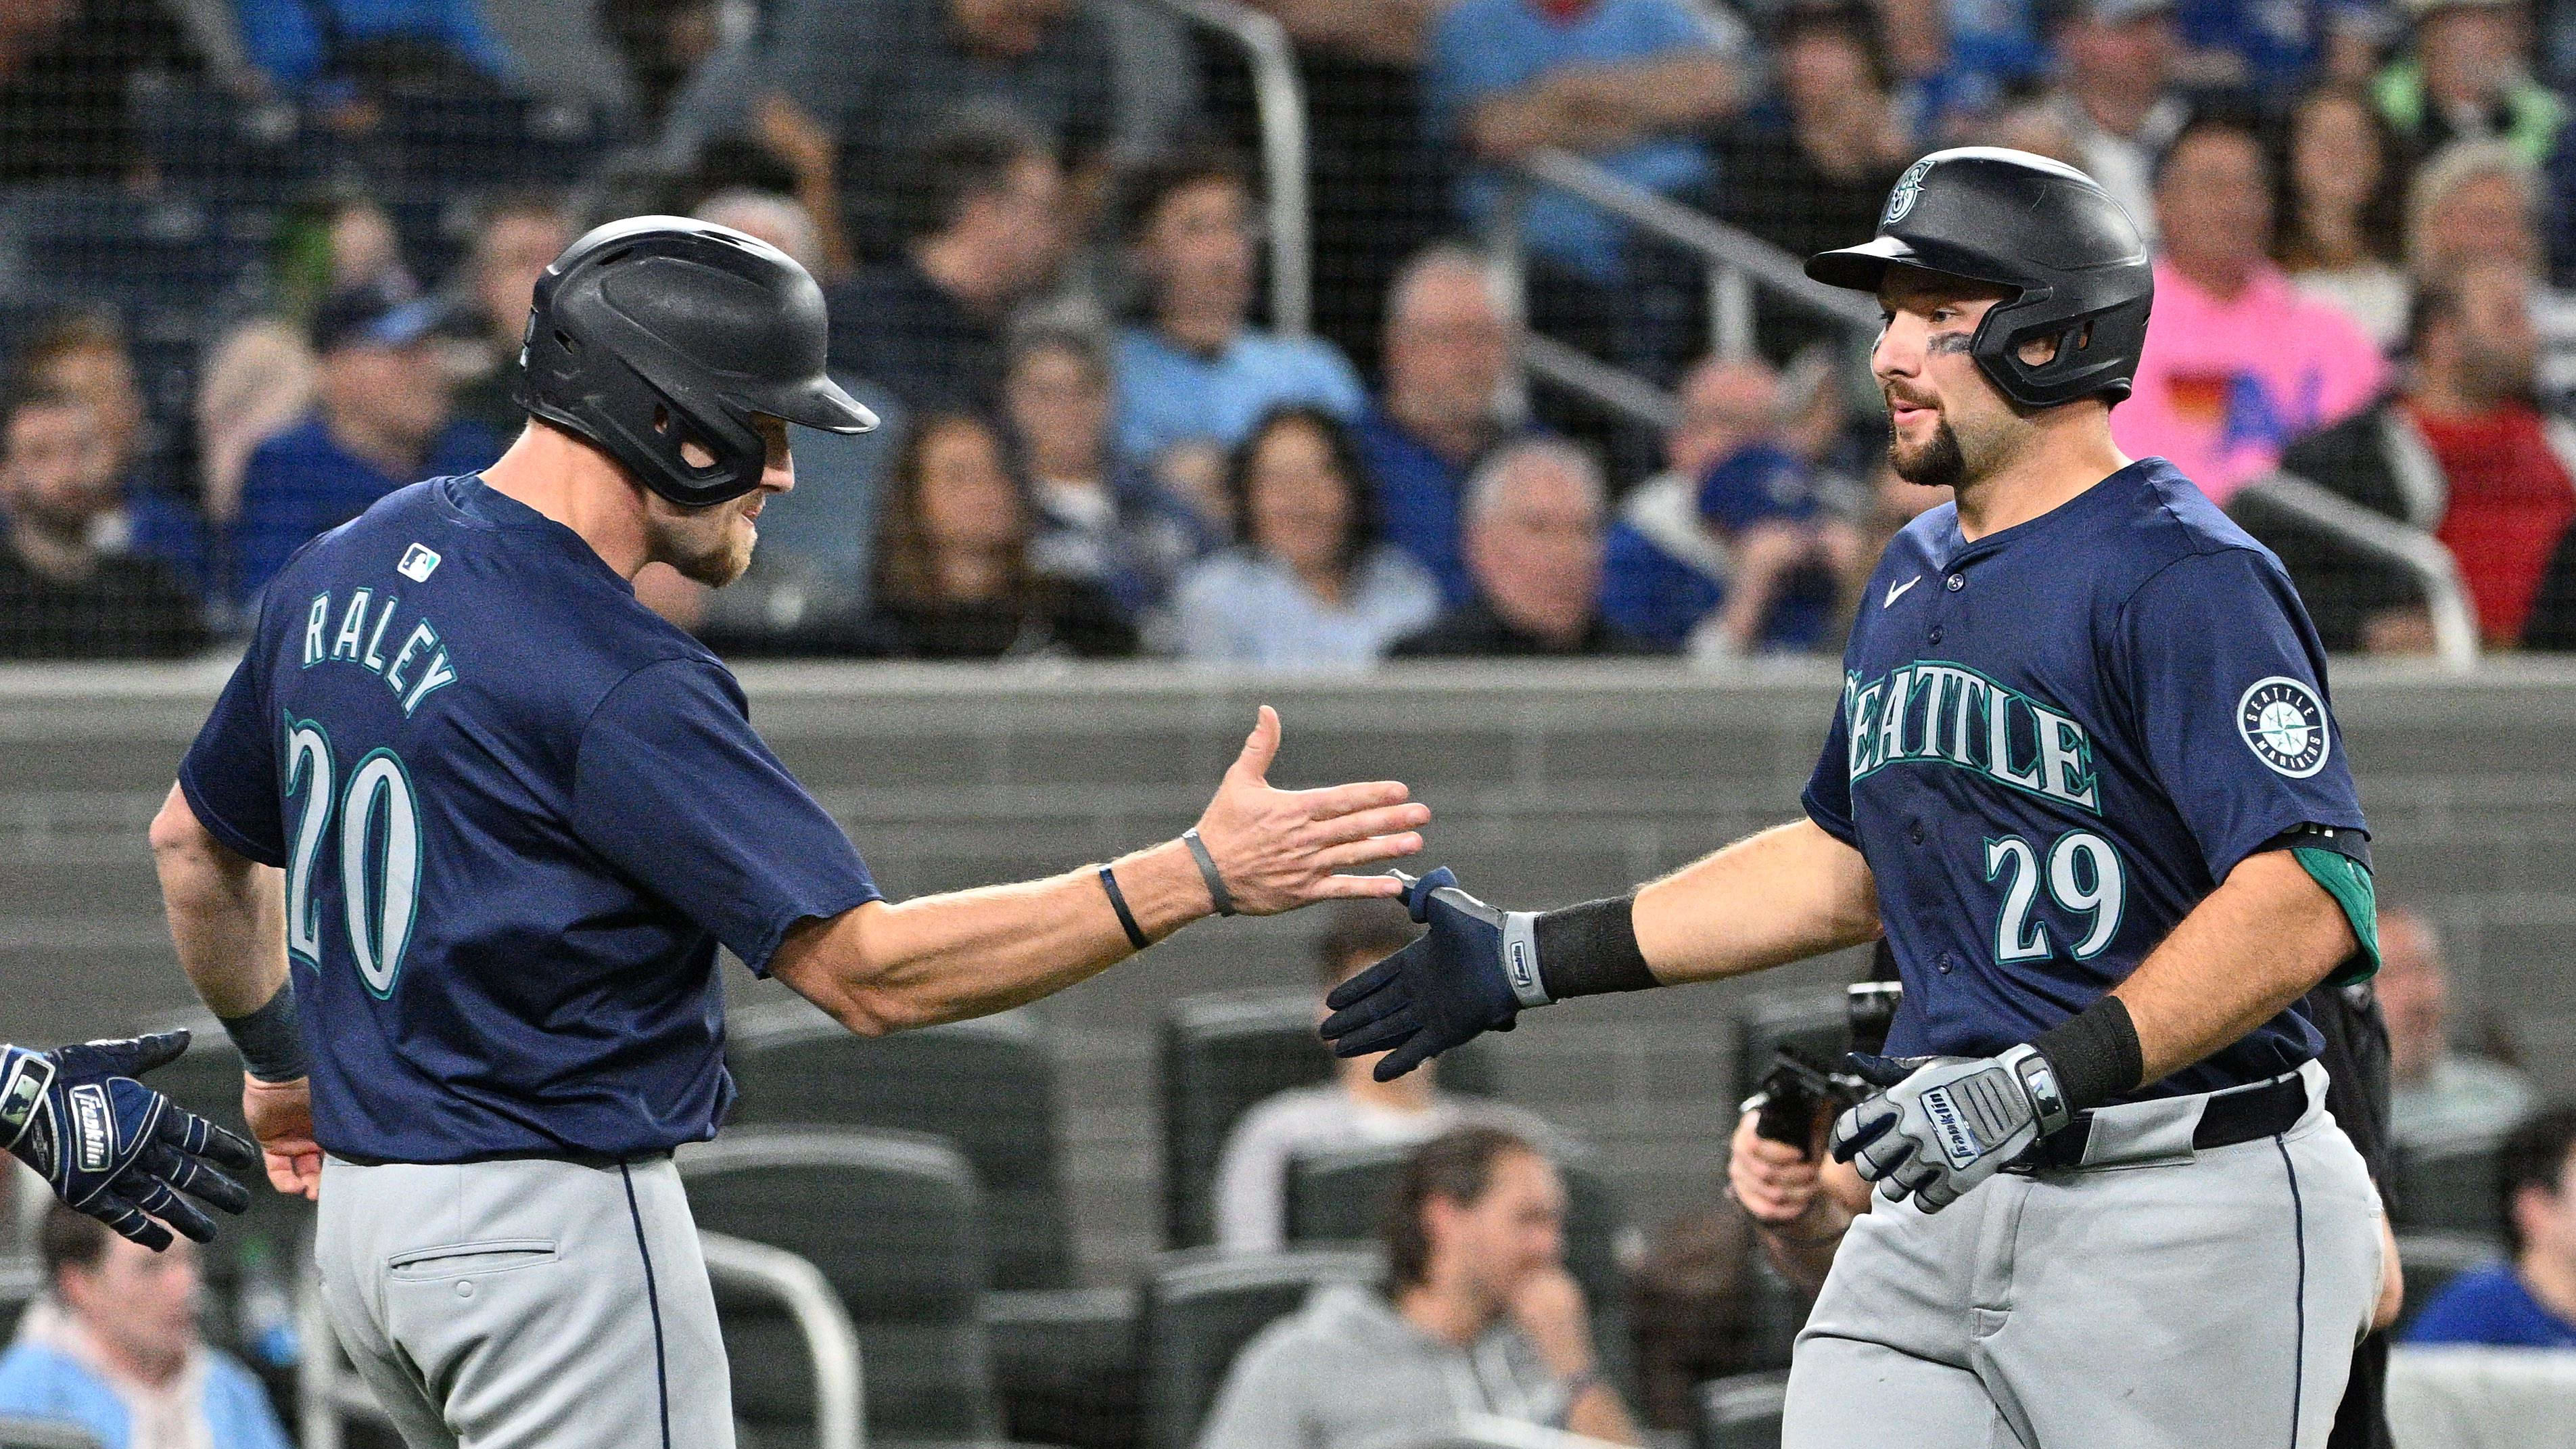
x=1742 y=1412
x=1341 y=1197
x=2431 y=1261
x=2447 y=1187
x=1221 y=1054
x=1066 y=1365
x=987 y=1085
x=1202 y=1307
x=894 y=1222
x=1813 y=1022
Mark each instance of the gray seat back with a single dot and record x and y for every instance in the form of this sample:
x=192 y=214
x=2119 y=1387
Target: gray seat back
x=1742 y=1412
x=1220 y=1055
x=1202 y=1306
x=988 y=1085
x=894 y=1222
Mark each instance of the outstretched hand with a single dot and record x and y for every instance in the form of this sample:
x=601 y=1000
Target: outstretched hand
x=1281 y=849
x=114 y=1148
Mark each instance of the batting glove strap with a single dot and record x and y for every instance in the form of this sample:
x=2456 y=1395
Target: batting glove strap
x=1520 y=958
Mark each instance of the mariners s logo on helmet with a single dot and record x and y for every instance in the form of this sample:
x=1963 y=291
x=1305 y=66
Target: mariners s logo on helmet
x=2284 y=724
x=1908 y=187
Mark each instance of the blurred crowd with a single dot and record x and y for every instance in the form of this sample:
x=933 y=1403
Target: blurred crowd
x=262 y=261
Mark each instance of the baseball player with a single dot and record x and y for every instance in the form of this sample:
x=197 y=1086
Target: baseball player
x=453 y=855
x=2085 y=779
x=113 y=1148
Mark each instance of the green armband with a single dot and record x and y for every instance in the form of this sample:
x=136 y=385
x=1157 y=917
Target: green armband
x=2348 y=881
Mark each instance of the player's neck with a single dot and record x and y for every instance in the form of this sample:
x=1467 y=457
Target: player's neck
x=577 y=486
x=2061 y=458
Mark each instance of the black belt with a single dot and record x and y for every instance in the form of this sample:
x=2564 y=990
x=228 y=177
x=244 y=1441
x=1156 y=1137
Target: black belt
x=598 y=1160
x=2244 y=1114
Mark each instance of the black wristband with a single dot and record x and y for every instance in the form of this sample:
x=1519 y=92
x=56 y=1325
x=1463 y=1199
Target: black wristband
x=1126 y=918
x=270 y=1040
x=2095 y=1053
x=1589 y=949
x=1218 y=896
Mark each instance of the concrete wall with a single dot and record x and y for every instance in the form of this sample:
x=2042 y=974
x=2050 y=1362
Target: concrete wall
x=1551 y=786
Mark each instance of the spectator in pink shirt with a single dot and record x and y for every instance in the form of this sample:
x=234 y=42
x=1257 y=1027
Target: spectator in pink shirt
x=2238 y=363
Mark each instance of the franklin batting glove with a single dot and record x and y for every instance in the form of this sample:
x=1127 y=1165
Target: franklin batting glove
x=114 y=1148
x=1471 y=973
x=1941 y=1125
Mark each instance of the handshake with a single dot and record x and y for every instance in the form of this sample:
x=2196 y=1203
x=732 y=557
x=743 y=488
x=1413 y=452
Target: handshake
x=1929 y=1128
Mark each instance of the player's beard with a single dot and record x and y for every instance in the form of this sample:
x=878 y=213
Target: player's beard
x=713 y=561
x=1938 y=463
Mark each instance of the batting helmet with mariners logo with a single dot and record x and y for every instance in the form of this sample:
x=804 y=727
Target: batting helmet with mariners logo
x=653 y=333
x=2075 y=262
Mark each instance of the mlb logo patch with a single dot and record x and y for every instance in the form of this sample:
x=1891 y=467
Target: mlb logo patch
x=417 y=564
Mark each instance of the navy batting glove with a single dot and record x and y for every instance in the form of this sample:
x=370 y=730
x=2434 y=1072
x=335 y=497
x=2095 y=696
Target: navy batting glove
x=1938 y=1126
x=1449 y=987
x=114 y=1148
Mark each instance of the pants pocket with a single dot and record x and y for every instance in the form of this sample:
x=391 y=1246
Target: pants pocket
x=457 y=1260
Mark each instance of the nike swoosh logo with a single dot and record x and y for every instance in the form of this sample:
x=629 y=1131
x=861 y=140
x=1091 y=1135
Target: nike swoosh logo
x=1897 y=591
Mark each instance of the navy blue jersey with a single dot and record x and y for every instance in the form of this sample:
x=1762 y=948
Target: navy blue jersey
x=2056 y=740
x=517 y=812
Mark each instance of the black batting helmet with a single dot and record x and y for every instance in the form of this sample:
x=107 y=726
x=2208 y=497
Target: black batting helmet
x=658 y=331
x=2076 y=264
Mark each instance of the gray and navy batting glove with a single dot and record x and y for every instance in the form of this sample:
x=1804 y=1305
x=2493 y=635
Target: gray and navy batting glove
x=1941 y=1125
x=113 y=1147
x=1471 y=973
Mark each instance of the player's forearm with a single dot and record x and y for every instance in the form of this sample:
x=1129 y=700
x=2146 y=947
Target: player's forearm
x=883 y=968
x=1786 y=894
x=2262 y=940
x=227 y=914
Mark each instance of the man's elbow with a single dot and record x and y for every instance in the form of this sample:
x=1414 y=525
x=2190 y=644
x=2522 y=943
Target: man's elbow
x=827 y=963
x=177 y=835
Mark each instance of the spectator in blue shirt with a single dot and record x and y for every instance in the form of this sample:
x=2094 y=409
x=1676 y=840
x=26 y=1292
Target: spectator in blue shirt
x=113 y=1349
x=1196 y=372
x=2529 y=1300
x=1449 y=399
x=295 y=43
x=380 y=421
x=1311 y=587
x=1623 y=82
x=1532 y=523
x=1729 y=551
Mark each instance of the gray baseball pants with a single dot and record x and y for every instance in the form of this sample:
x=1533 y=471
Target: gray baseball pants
x=2156 y=1298
x=526 y=1304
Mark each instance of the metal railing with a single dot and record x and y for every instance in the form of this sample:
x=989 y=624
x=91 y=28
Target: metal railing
x=2422 y=556
x=799 y=1287
x=330 y=1394
x=1739 y=264
x=1279 y=103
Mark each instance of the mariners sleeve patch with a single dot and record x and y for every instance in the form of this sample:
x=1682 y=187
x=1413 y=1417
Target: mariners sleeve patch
x=2284 y=724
